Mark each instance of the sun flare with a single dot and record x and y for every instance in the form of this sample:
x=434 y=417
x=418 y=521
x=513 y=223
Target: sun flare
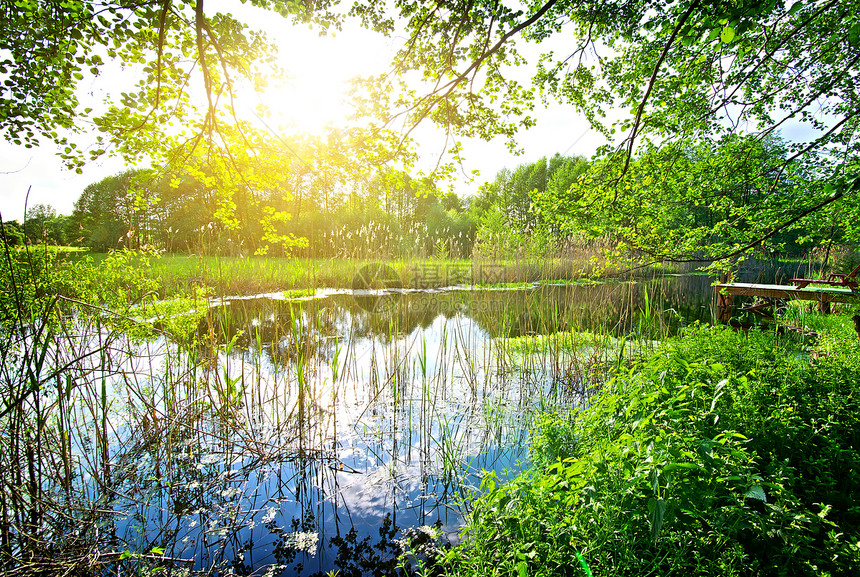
x=307 y=102
x=312 y=95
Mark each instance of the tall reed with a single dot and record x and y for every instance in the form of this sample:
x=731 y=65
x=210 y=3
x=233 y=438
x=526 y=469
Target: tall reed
x=115 y=407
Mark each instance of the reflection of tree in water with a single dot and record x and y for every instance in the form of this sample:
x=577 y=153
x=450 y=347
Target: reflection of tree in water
x=613 y=307
x=309 y=327
x=616 y=307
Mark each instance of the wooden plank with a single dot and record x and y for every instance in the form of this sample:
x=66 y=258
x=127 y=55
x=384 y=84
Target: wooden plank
x=785 y=292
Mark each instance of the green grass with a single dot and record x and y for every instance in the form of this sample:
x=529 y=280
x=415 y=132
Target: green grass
x=59 y=249
x=297 y=293
x=587 y=347
x=177 y=273
x=542 y=282
x=263 y=274
x=723 y=453
x=506 y=285
x=237 y=275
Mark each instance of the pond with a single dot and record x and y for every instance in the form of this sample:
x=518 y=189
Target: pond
x=331 y=432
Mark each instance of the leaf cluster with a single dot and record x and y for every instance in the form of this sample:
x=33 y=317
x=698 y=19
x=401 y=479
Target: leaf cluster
x=48 y=50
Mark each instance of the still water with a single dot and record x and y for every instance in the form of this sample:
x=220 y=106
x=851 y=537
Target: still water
x=326 y=433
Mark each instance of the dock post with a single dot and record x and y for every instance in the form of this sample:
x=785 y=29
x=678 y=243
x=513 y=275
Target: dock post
x=724 y=301
x=824 y=306
x=724 y=307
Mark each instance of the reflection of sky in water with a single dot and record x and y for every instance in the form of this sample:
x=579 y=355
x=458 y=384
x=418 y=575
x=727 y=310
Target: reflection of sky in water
x=398 y=415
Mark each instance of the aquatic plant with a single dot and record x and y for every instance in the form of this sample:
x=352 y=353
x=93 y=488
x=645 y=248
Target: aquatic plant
x=149 y=429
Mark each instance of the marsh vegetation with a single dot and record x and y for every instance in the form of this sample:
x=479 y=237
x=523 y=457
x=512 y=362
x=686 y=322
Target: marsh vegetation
x=299 y=351
x=312 y=430
x=281 y=432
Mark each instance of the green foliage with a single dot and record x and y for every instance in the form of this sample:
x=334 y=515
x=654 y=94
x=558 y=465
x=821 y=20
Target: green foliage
x=48 y=48
x=723 y=454
x=42 y=225
x=27 y=285
x=107 y=211
x=118 y=291
x=12 y=233
x=120 y=281
x=663 y=83
x=122 y=291
x=554 y=440
x=513 y=194
x=677 y=199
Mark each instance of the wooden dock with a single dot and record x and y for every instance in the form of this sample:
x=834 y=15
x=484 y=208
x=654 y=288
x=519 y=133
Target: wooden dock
x=770 y=292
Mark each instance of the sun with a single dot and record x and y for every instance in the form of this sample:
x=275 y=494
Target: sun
x=312 y=96
x=307 y=102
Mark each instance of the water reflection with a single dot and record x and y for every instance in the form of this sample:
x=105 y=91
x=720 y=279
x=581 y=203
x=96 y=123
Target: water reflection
x=306 y=436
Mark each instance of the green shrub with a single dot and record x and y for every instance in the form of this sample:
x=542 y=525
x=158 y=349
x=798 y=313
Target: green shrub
x=27 y=278
x=555 y=439
x=722 y=454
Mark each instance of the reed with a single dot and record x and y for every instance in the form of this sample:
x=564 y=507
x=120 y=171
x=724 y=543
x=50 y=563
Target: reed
x=141 y=422
x=575 y=259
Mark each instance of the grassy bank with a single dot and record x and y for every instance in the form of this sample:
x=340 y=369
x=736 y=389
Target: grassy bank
x=723 y=453
x=178 y=273
x=236 y=275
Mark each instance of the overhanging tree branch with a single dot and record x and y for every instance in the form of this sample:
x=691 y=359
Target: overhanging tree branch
x=634 y=130
x=428 y=103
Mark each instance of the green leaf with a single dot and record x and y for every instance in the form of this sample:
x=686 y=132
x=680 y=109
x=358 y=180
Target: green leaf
x=673 y=466
x=657 y=511
x=522 y=569
x=854 y=34
x=718 y=392
x=727 y=35
x=756 y=492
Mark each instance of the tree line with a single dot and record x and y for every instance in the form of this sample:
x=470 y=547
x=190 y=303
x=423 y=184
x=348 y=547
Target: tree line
x=42 y=225
x=389 y=215
x=534 y=206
